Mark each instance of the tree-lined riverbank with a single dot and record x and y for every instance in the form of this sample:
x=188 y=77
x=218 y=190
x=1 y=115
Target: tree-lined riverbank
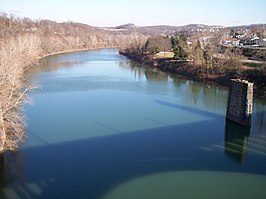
x=215 y=63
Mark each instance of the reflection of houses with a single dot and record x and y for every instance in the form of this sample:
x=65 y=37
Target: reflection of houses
x=229 y=41
x=236 y=140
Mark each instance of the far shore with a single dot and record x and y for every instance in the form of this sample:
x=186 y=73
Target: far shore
x=197 y=73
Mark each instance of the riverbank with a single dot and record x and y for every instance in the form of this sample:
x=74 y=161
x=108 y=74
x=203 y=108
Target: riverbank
x=217 y=75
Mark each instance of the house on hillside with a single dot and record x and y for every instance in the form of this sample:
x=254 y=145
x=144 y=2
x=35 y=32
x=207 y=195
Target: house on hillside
x=253 y=41
x=257 y=42
x=264 y=42
x=229 y=41
x=209 y=40
x=245 y=41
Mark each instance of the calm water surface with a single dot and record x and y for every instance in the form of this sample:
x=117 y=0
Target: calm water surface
x=102 y=127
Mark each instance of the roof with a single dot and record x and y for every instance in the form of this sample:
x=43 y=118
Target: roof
x=229 y=39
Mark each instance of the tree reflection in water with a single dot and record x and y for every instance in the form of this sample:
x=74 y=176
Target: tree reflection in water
x=11 y=170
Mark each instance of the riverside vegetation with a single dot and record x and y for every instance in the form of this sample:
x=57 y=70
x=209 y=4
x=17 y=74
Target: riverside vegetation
x=212 y=62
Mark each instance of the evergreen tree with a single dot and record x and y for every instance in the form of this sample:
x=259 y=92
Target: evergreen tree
x=179 y=45
x=198 y=54
x=180 y=53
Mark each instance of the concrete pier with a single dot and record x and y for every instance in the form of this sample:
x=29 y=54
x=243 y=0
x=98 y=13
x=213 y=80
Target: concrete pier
x=240 y=100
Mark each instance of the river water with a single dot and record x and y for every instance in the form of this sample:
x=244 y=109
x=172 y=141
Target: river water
x=103 y=127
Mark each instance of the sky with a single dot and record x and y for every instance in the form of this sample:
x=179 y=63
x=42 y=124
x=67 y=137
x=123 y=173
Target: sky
x=106 y=13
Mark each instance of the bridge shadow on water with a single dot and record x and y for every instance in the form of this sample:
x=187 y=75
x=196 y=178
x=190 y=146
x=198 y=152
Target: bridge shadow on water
x=92 y=167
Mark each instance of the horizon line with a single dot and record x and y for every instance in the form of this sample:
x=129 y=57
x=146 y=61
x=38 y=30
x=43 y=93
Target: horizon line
x=112 y=26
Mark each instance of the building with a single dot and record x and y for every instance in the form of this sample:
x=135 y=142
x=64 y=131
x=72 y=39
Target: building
x=245 y=41
x=253 y=41
x=229 y=41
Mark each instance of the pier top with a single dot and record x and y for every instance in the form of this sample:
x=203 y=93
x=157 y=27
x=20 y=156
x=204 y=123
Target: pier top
x=242 y=81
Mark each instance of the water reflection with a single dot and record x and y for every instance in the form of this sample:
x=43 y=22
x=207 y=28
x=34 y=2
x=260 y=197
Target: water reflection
x=13 y=184
x=202 y=95
x=49 y=64
x=3 y=180
x=197 y=94
x=155 y=75
x=236 y=141
x=134 y=67
x=259 y=117
x=11 y=170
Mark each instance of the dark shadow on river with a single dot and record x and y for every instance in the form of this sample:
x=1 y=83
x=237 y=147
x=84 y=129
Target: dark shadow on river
x=90 y=168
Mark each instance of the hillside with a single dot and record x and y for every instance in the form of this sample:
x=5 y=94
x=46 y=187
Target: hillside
x=163 y=29
x=56 y=37
x=13 y=26
x=188 y=30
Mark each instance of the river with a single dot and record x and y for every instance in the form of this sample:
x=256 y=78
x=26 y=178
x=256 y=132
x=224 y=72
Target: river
x=104 y=127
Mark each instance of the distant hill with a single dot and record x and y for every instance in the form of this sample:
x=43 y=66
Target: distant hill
x=173 y=30
x=48 y=27
x=251 y=26
x=128 y=26
x=160 y=29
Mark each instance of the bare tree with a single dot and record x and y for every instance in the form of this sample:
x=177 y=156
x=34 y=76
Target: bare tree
x=158 y=43
x=16 y=55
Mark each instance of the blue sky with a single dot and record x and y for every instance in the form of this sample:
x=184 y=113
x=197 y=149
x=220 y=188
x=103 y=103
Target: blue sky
x=141 y=12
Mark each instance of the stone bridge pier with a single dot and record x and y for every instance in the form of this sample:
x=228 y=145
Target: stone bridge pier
x=240 y=100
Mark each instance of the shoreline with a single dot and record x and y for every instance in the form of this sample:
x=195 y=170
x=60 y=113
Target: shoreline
x=198 y=73
x=75 y=50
